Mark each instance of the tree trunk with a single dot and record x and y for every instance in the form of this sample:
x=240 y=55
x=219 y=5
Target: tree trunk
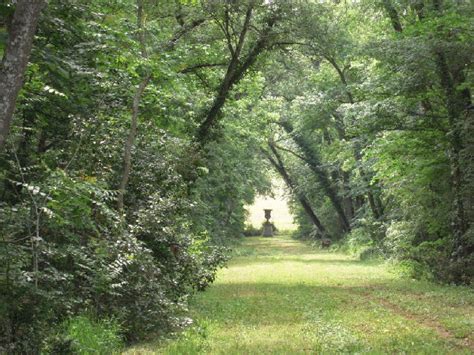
x=455 y=103
x=277 y=163
x=141 y=36
x=459 y=109
x=348 y=202
x=127 y=158
x=235 y=73
x=374 y=201
x=314 y=162
x=15 y=59
x=393 y=14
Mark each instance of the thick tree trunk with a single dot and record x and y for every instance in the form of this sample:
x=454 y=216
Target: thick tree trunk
x=15 y=59
x=277 y=163
x=459 y=108
x=467 y=161
x=456 y=104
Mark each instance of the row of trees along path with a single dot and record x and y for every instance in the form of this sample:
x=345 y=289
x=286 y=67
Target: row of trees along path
x=133 y=133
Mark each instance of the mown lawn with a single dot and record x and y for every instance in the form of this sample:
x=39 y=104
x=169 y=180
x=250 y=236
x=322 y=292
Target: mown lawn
x=280 y=296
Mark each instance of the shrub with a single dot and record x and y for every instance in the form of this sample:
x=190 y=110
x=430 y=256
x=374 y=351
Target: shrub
x=358 y=240
x=414 y=269
x=371 y=253
x=140 y=274
x=251 y=231
x=399 y=238
x=83 y=334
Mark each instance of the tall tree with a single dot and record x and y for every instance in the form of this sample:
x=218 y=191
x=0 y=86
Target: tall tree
x=145 y=78
x=21 y=33
x=450 y=70
x=240 y=61
x=127 y=159
x=315 y=163
x=276 y=161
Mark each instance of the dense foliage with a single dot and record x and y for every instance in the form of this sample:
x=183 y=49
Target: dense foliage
x=143 y=127
x=376 y=128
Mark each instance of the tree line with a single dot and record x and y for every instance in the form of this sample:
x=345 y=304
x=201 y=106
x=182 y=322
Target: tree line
x=134 y=132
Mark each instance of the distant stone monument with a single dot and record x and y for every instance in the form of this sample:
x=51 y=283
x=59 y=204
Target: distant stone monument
x=268 y=226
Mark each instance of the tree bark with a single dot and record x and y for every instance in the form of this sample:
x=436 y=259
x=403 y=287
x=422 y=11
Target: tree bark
x=460 y=115
x=15 y=60
x=455 y=103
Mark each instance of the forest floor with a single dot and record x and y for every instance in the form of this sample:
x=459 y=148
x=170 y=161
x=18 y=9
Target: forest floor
x=281 y=296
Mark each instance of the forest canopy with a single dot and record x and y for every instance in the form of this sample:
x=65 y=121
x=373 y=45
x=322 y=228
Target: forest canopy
x=134 y=132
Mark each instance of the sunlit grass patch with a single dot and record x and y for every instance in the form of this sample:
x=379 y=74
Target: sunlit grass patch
x=281 y=296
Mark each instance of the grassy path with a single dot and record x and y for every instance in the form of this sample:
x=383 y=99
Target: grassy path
x=278 y=296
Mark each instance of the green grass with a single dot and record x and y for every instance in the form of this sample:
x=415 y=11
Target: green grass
x=280 y=296
x=93 y=337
